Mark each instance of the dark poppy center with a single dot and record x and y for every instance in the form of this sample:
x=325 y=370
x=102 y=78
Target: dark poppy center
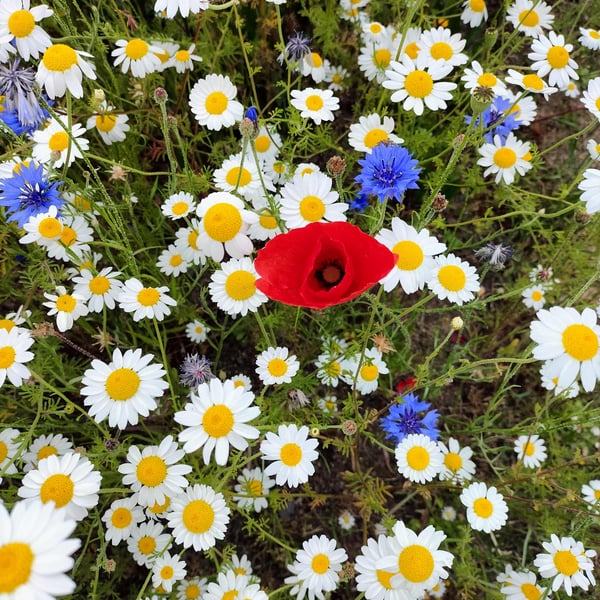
x=330 y=274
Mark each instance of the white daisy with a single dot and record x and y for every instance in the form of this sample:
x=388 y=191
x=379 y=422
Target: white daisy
x=14 y=319
x=67 y=307
x=309 y=199
x=267 y=226
x=475 y=76
x=419 y=458
x=486 y=509
x=505 y=157
x=68 y=481
x=240 y=565
x=276 y=365
x=136 y=56
x=166 y=51
x=233 y=287
x=59 y=146
x=593 y=148
x=239 y=174
x=552 y=57
x=457 y=464
x=167 y=570
x=44 y=446
x=36 y=551
x=534 y=296
x=370 y=578
x=591 y=494
x=62 y=68
x=216 y=418
x=474 y=12
x=414 y=250
x=362 y=372
x=241 y=381
x=531 y=450
x=336 y=76
x=549 y=381
x=178 y=206
x=212 y=100
x=8 y=450
x=146 y=542
x=18 y=25
x=111 y=126
x=453 y=279
x=568 y=562
x=196 y=331
x=375 y=57
x=373 y=31
x=14 y=352
x=448 y=513
x=145 y=302
x=590 y=186
x=316 y=568
x=417 y=83
x=252 y=489
x=530 y=17
x=72 y=245
x=291 y=454
x=313 y=64
x=329 y=368
x=183 y=60
x=124 y=389
x=523 y=108
x=121 y=518
x=590 y=38
x=530 y=82
x=441 y=44
x=346 y=520
x=153 y=472
x=370 y=131
x=98 y=290
x=228 y=585
x=328 y=404
x=187 y=241
x=184 y=7
x=572 y=91
x=315 y=104
x=172 y=260
x=522 y=585
x=192 y=589
x=571 y=341
x=198 y=517
x=591 y=97
x=411 y=46
x=267 y=144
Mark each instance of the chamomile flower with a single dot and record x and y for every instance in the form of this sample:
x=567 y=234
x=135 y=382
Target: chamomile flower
x=370 y=131
x=196 y=331
x=530 y=17
x=183 y=60
x=316 y=568
x=419 y=458
x=475 y=76
x=371 y=579
x=67 y=307
x=233 y=287
x=336 y=77
x=36 y=551
x=448 y=513
x=216 y=418
x=530 y=82
x=522 y=108
x=291 y=454
x=172 y=260
x=267 y=226
x=18 y=25
x=145 y=302
x=567 y=562
x=56 y=145
x=329 y=368
x=167 y=570
x=124 y=389
x=276 y=365
x=62 y=68
x=267 y=144
x=346 y=520
x=178 y=205
x=14 y=352
x=590 y=38
x=416 y=561
x=593 y=149
x=486 y=509
x=504 y=158
x=591 y=97
x=591 y=494
x=186 y=238
x=552 y=57
x=315 y=104
x=212 y=100
x=252 y=489
x=153 y=472
x=8 y=449
x=363 y=372
x=240 y=174
x=98 y=290
x=68 y=481
x=374 y=31
x=442 y=45
x=328 y=404
x=44 y=446
x=111 y=126
x=313 y=64
x=192 y=589
x=230 y=585
x=43 y=228
x=146 y=542
x=570 y=342
x=531 y=450
x=474 y=12
x=414 y=250
x=198 y=517
x=590 y=186
x=309 y=199
x=549 y=381
x=534 y=296
x=572 y=91
x=136 y=56
x=184 y=7
x=375 y=58
x=453 y=279
x=121 y=518
x=457 y=464
x=522 y=585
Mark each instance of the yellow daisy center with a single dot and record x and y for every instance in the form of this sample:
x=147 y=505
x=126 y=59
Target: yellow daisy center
x=316 y=60
x=68 y=236
x=151 y=471
x=146 y=545
x=58 y=141
x=320 y=563
x=528 y=449
x=175 y=260
x=416 y=563
x=595 y=35
x=314 y=102
x=558 y=57
x=580 y=342
x=412 y=50
x=487 y=80
x=7 y=357
x=374 y=137
x=453 y=461
x=59 y=57
x=198 y=516
x=267 y=220
x=105 y=123
x=483 y=508
x=262 y=143
x=410 y=255
x=237 y=176
x=122 y=384
x=418 y=84
x=192 y=591
x=21 y=23
x=167 y=572
x=3 y=451
x=375 y=28
x=59 y=488
x=50 y=227
x=222 y=222
x=452 y=277
x=99 y=285
x=566 y=562
x=277 y=367
x=384 y=578
x=45 y=452
x=312 y=208
x=66 y=303
x=121 y=518
x=180 y=208
x=530 y=591
x=536 y=296
x=529 y=18
x=230 y=595
x=477 y=5
x=505 y=158
x=7 y=324
x=193 y=240
x=418 y=458
x=148 y=296
x=218 y=421
x=158 y=509
x=333 y=369
x=441 y=50
x=382 y=58
x=216 y=103
x=136 y=49
x=240 y=285
x=255 y=487
x=16 y=561
x=182 y=56
x=598 y=103
x=533 y=82
x=290 y=454
x=369 y=372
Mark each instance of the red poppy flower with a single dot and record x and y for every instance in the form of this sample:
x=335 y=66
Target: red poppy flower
x=321 y=264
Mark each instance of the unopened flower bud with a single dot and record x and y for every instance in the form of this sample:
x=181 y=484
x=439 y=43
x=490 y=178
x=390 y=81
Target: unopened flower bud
x=489 y=40
x=160 y=95
x=336 y=166
x=439 y=203
x=457 y=323
x=248 y=130
x=458 y=140
x=315 y=431
x=582 y=217
x=349 y=428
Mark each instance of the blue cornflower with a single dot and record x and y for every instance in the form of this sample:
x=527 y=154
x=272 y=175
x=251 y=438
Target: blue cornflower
x=497 y=119
x=388 y=171
x=298 y=47
x=360 y=202
x=411 y=416
x=28 y=192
